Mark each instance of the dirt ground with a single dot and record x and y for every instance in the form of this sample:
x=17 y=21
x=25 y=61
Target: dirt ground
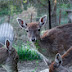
x=29 y=66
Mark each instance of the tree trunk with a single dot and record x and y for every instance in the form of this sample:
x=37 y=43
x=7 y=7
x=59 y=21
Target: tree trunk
x=54 y=15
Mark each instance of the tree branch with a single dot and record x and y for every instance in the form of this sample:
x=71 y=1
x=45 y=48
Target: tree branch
x=42 y=4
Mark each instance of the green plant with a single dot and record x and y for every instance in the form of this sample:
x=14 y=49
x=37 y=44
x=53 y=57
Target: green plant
x=25 y=53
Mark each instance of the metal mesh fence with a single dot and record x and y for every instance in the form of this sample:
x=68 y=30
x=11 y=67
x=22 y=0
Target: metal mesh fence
x=11 y=9
x=32 y=11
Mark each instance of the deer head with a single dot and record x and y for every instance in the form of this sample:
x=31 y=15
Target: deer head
x=33 y=28
x=56 y=66
x=9 y=57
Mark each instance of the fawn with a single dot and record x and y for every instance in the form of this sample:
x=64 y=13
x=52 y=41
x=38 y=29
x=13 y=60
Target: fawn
x=9 y=57
x=61 y=61
x=53 y=41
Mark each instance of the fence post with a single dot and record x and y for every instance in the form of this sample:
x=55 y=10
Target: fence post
x=49 y=11
x=60 y=17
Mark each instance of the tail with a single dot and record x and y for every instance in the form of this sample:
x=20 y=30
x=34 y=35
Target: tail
x=6 y=32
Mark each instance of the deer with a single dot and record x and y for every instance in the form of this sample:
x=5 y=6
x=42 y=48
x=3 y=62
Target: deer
x=61 y=62
x=53 y=41
x=8 y=54
x=9 y=57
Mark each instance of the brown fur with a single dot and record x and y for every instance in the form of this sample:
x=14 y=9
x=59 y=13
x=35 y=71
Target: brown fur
x=33 y=25
x=53 y=41
x=9 y=60
x=67 y=60
x=51 y=67
x=44 y=35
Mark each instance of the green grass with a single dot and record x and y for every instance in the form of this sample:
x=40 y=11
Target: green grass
x=25 y=53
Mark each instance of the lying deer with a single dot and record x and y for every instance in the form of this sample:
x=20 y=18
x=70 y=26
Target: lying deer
x=9 y=57
x=55 y=40
x=61 y=62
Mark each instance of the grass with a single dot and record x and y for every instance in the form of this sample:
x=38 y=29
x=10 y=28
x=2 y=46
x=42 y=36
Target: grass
x=26 y=53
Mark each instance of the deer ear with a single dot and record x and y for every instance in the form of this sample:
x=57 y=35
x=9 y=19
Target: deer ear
x=21 y=23
x=43 y=20
x=7 y=43
x=58 y=59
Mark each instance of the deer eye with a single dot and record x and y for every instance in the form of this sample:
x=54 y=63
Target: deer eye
x=27 y=31
x=38 y=29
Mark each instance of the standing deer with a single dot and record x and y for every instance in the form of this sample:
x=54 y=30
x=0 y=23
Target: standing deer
x=55 y=40
x=61 y=62
x=9 y=57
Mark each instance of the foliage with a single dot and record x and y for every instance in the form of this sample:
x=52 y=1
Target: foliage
x=3 y=8
x=10 y=7
x=40 y=5
x=24 y=1
x=25 y=53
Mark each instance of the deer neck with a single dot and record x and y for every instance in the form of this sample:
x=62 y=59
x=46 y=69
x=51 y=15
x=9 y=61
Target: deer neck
x=43 y=46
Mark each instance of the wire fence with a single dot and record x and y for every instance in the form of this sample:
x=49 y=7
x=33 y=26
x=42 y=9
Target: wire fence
x=31 y=11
